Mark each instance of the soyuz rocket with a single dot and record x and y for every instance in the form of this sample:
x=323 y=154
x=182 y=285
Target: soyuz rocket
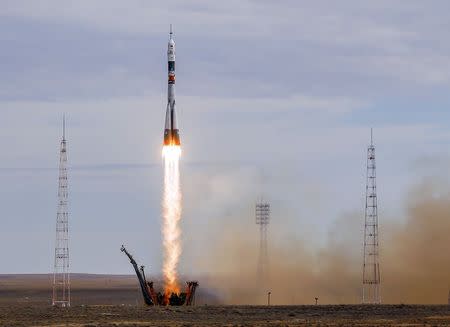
x=171 y=134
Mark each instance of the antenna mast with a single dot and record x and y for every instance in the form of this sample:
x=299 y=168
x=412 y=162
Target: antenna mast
x=371 y=265
x=61 y=275
x=262 y=216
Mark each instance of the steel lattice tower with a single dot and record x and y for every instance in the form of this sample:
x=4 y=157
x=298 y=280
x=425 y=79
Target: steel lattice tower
x=61 y=275
x=371 y=265
x=262 y=215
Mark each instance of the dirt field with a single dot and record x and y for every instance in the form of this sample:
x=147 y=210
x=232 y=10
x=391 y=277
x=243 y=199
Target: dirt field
x=116 y=301
x=40 y=315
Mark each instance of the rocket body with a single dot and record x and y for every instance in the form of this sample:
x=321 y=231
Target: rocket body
x=171 y=133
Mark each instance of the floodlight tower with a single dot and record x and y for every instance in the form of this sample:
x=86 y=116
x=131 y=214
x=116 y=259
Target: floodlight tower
x=371 y=265
x=61 y=275
x=262 y=215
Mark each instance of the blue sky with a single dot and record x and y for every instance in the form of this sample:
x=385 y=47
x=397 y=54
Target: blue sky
x=274 y=98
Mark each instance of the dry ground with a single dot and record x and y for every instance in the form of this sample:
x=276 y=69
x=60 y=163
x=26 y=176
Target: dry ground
x=346 y=315
x=116 y=301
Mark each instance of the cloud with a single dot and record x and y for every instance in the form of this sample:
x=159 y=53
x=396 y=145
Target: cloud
x=103 y=47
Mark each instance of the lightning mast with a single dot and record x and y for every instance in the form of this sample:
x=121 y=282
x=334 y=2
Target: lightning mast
x=61 y=275
x=371 y=265
x=262 y=215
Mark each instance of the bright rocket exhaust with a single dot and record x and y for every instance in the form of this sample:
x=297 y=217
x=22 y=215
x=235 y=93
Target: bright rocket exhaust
x=171 y=218
x=171 y=205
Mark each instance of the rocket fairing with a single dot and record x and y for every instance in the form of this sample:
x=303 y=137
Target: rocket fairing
x=171 y=134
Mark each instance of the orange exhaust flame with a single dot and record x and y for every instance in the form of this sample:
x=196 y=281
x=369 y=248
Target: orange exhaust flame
x=171 y=217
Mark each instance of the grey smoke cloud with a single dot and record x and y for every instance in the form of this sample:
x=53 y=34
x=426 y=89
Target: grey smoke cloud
x=414 y=261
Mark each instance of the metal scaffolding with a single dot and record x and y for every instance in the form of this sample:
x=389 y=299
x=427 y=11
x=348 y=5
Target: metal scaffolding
x=371 y=265
x=262 y=215
x=61 y=275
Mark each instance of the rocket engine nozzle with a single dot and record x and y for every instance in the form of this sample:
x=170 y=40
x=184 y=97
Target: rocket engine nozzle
x=171 y=137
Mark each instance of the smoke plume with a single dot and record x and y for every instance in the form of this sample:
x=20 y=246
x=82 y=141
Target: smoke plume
x=414 y=259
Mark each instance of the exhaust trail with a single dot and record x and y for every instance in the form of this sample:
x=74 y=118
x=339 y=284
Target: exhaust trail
x=171 y=218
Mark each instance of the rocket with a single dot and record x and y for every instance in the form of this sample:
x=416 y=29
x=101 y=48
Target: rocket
x=171 y=134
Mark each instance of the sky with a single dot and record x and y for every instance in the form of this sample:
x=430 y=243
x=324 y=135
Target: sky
x=274 y=99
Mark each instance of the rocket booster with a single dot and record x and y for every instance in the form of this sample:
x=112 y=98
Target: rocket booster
x=171 y=134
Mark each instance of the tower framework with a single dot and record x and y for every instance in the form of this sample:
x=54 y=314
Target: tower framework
x=371 y=265
x=262 y=216
x=61 y=275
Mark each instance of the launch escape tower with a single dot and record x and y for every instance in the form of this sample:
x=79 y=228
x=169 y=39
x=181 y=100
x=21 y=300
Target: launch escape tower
x=371 y=265
x=61 y=276
x=262 y=216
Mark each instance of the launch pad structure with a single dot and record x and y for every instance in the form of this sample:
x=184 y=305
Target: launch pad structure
x=151 y=297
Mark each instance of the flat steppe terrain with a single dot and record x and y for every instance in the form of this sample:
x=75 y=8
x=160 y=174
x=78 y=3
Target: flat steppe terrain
x=332 y=315
x=103 y=300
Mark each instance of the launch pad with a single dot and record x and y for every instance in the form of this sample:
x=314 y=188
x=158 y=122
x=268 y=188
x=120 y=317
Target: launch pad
x=151 y=297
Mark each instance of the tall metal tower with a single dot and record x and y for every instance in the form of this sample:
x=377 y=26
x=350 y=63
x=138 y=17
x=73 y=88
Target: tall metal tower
x=371 y=265
x=262 y=215
x=61 y=275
